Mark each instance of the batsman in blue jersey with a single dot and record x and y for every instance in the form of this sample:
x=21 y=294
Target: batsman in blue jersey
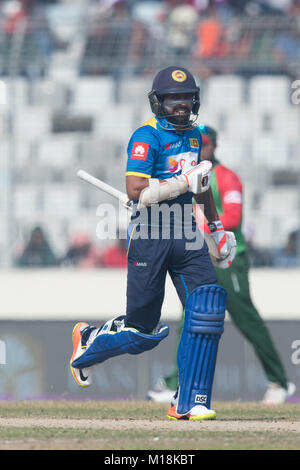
x=164 y=173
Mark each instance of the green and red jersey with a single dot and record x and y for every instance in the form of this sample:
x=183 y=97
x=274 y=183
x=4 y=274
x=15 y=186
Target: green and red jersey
x=227 y=192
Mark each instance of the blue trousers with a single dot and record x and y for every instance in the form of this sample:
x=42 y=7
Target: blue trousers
x=149 y=261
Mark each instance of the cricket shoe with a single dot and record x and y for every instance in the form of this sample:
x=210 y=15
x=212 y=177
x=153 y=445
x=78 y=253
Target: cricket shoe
x=161 y=393
x=197 y=413
x=276 y=394
x=83 y=377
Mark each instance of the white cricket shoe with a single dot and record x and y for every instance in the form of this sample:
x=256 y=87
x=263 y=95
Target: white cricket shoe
x=197 y=413
x=276 y=394
x=82 y=377
x=161 y=393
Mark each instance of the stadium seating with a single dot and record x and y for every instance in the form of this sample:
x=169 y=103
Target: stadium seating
x=65 y=121
x=227 y=90
x=269 y=94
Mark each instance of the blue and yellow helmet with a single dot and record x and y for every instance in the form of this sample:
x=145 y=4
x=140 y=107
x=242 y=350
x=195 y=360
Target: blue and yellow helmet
x=173 y=80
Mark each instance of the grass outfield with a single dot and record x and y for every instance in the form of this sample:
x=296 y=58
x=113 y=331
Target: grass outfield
x=142 y=425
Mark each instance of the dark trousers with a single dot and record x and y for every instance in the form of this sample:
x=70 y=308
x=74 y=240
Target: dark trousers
x=149 y=261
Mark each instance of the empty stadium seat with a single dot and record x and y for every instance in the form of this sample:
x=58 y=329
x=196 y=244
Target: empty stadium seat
x=270 y=152
x=224 y=90
x=92 y=95
x=49 y=93
x=61 y=200
x=269 y=92
x=57 y=152
x=271 y=214
x=17 y=92
x=32 y=122
x=25 y=200
x=115 y=122
x=232 y=153
x=134 y=91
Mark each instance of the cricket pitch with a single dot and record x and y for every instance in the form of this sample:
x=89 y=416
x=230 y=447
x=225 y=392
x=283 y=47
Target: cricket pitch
x=142 y=425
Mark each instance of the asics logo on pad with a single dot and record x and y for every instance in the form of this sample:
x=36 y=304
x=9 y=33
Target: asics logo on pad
x=200 y=399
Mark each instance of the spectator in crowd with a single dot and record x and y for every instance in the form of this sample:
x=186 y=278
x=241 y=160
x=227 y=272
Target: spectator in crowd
x=293 y=244
x=115 y=44
x=287 y=45
x=38 y=252
x=82 y=253
x=13 y=12
x=294 y=8
x=180 y=30
x=211 y=38
x=41 y=31
x=288 y=257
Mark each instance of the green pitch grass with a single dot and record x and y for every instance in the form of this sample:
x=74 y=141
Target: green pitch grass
x=142 y=425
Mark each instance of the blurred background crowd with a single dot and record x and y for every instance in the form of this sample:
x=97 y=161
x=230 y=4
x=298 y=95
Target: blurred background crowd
x=217 y=36
x=74 y=77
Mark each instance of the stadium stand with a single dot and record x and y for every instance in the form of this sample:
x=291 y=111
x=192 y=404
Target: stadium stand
x=74 y=102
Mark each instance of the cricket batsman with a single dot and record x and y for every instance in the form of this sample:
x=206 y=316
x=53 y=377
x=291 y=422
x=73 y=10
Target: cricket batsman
x=164 y=173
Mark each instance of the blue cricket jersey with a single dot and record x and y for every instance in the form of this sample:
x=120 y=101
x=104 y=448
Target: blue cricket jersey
x=156 y=151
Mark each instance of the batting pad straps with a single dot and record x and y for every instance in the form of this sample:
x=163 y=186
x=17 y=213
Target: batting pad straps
x=158 y=191
x=198 y=347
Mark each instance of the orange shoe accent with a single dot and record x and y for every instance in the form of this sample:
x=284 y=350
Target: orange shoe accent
x=76 y=338
x=173 y=415
x=191 y=417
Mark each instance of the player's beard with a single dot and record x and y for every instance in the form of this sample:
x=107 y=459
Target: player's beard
x=179 y=119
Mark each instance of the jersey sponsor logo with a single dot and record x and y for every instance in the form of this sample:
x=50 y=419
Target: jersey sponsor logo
x=179 y=75
x=183 y=161
x=140 y=264
x=139 y=151
x=194 y=143
x=174 y=164
x=201 y=399
x=171 y=146
x=233 y=197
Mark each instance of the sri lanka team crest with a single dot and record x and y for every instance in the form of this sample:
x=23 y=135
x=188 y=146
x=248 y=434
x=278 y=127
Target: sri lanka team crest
x=179 y=75
x=194 y=143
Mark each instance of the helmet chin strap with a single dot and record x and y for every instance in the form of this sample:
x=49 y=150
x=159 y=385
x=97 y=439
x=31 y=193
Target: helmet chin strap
x=178 y=127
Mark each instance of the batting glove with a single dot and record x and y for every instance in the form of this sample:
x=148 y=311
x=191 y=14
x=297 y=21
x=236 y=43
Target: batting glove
x=198 y=179
x=225 y=242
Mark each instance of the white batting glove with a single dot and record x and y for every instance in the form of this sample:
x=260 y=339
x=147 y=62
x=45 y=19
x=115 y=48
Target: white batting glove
x=198 y=179
x=225 y=242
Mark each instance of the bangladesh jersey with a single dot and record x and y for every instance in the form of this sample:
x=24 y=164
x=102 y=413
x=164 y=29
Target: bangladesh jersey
x=227 y=193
